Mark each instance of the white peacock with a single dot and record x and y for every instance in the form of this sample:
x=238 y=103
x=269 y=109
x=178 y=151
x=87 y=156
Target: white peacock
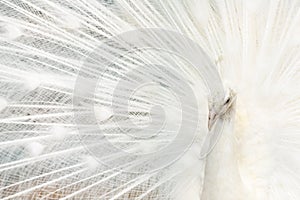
x=56 y=97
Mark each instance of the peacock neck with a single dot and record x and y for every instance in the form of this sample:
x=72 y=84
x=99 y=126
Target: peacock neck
x=221 y=172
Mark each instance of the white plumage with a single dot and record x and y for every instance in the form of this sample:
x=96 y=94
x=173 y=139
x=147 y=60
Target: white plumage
x=255 y=48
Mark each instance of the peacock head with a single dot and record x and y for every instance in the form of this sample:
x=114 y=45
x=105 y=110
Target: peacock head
x=220 y=109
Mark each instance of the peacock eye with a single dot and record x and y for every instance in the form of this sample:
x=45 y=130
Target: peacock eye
x=227 y=101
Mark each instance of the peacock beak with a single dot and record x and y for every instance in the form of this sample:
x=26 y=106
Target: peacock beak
x=212 y=118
